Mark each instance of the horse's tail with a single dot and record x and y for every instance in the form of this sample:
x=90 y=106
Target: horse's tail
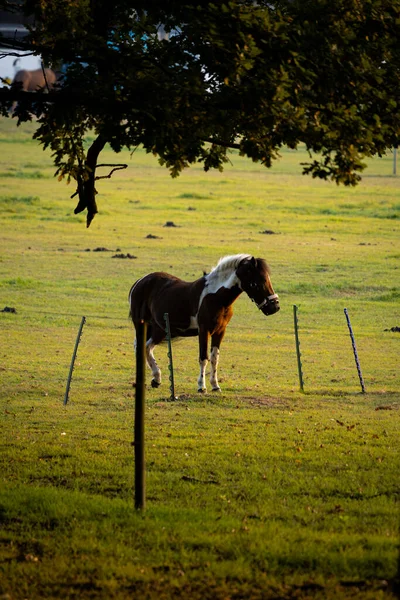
x=135 y=301
x=130 y=301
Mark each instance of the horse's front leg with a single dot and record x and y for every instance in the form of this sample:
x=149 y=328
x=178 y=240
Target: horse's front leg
x=203 y=359
x=216 y=339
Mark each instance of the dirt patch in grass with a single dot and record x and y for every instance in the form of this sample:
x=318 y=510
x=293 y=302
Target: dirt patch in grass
x=267 y=401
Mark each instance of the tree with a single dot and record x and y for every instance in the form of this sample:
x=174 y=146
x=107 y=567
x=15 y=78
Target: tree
x=233 y=74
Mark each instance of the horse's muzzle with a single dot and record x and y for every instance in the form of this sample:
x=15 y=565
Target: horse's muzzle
x=271 y=306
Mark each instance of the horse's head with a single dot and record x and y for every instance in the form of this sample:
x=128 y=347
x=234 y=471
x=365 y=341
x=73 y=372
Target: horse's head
x=253 y=274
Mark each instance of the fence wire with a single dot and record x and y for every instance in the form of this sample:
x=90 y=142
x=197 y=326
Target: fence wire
x=257 y=357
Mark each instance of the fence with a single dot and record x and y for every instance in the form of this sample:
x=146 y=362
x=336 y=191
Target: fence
x=37 y=350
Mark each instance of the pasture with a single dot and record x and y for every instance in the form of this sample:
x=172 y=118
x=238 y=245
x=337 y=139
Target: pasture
x=258 y=492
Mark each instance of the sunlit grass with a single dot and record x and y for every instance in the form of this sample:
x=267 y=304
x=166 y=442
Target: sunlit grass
x=257 y=492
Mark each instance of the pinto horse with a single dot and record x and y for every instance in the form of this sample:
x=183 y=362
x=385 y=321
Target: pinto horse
x=202 y=307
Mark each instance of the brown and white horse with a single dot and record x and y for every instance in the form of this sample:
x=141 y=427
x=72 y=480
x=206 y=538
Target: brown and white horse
x=202 y=307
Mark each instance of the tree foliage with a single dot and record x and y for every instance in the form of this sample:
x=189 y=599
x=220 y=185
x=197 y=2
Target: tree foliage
x=234 y=74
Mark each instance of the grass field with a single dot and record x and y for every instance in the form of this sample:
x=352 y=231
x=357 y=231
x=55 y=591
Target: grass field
x=260 y=492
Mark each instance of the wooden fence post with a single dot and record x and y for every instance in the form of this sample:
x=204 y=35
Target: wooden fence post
x=140 y=487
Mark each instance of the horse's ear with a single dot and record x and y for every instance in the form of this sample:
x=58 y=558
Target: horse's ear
x=253 y=261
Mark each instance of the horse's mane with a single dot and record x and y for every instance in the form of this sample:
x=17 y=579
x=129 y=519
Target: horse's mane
x=230 y=263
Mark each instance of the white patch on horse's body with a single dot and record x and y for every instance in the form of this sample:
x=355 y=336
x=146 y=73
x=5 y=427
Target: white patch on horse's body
x=223 y=275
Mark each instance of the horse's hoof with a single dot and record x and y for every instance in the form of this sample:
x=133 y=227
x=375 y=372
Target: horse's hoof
x=155 y=384
x=202 y=390
x=216 y=389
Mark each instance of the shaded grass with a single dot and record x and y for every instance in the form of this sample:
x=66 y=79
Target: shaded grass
x=23 y=174
x=9 y=201
x=277 y=488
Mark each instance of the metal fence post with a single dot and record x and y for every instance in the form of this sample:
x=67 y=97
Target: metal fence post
x=296 y=335
x=78 y=339
x=353 y=343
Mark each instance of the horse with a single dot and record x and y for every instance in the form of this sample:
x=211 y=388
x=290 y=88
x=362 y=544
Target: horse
x=38 y=80
x=34 y=81
x=200 y=308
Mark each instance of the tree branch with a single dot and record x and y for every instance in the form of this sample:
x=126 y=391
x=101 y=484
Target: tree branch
x=86 y=190
x=117 y=167
x=16 y=54
x=232 y=145
x=62 y=96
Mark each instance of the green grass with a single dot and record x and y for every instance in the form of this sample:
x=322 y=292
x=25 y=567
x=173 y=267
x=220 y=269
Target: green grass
x=258 y=492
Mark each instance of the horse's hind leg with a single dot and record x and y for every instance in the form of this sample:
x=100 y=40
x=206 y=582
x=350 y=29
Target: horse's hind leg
x=151 y=361
x=156 y=336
